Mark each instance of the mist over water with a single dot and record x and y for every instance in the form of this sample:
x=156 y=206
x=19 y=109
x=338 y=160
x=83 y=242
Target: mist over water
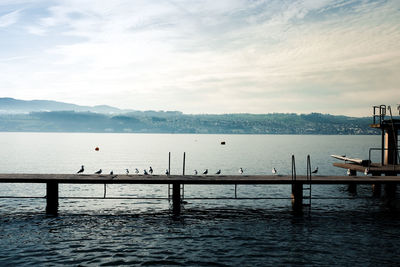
x=361 y=231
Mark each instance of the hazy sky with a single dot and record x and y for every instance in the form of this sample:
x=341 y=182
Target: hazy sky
x=213 y=56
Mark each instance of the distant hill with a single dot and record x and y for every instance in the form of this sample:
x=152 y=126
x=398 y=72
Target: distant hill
x=176 y=122
x=16 y=106
x=52 y=116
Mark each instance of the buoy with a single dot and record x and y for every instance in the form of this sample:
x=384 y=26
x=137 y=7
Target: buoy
x=223 y=143
x=97 y=148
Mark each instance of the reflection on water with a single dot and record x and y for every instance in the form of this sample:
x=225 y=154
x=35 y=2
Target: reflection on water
x=361 y=231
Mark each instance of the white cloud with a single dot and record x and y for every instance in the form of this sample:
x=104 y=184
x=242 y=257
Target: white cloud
x=9 y=18
x=214 y=56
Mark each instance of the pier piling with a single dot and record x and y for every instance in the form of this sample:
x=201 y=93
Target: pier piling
x=353 y=186
x=297 y=197
x=52 y=198
x=376 y=190
x=176 y=199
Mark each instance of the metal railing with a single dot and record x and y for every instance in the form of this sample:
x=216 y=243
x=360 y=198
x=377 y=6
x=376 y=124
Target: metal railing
x=381 y=115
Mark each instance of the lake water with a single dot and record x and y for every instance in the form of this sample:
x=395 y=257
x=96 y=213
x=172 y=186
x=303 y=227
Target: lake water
x=337 y=231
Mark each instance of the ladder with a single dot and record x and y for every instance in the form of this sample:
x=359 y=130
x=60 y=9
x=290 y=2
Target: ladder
x=307 y=185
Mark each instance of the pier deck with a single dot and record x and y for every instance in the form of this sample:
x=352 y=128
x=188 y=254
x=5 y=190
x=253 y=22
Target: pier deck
x=190 y=179
x=52 y=182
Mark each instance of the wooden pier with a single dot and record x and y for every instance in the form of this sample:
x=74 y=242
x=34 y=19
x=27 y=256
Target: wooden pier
x=53 y=180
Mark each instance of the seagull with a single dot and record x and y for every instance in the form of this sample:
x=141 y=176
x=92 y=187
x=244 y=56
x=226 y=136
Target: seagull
x=98 y=172
x=366 y=171
x=127 y=171
x=166 y=172
x=136 y=171
x=218 y=172
x=274 y=171
x=315 y=171
x=145 y=172
x=195 y=172
x=348 y=172
x=151 y=170
x=111 y=172
x=241 y=170
x=82 y=169
x=206 y=171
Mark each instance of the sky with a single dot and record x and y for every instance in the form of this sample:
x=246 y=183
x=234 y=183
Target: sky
x=204 y=56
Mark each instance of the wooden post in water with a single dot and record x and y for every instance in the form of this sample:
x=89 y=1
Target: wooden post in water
x=169 y=163
x=184 y=163
x=297 y=196
x=352 y=187
x=176 y=199
x=52 y=198
x=377 y=187
x=390 y=190
x=376 y=190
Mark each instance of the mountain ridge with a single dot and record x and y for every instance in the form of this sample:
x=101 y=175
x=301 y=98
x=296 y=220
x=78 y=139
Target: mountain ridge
x=16 y=106
x=53 y=116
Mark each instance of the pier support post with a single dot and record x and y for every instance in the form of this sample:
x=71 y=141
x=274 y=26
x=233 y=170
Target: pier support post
x=176 y=199
x=376 y=190
x=352 y=187
x=390 y=190
x=297 y=197
x=52 y=198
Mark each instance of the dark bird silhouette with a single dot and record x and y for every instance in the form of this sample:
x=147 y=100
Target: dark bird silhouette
x=111 y=172
x=218 y=172
x=82 y=169
x=127 y=171
x=274 y=171
x=315 y=171
x=136 y=171
x=241 y=171
x=206 y=171
x=151 y=170
x=98 y=172
x=195 y=172
x=166 y=172
x=145 y=172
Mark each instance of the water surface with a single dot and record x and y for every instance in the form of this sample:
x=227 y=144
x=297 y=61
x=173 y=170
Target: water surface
x=361 y=231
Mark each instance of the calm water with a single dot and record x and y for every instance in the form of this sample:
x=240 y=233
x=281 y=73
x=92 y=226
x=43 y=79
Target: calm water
x=361 y=231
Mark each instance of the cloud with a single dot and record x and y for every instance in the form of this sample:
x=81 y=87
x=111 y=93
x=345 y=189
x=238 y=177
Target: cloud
x=9 y=18
x=213 y=56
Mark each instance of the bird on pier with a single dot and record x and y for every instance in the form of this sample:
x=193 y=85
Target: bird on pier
x=151 y=170
x=166 y=172
x=136 y=171
x=348 y=172
x=218 y=172
x=205 y=172
x=274 y=171
x=195 y=172
x=241 y=170
x=111 y=173
x=98 y=172
x=126 y=171
x=82 y=169
x=366 y=171
x=315 y=171
x=145 y=172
